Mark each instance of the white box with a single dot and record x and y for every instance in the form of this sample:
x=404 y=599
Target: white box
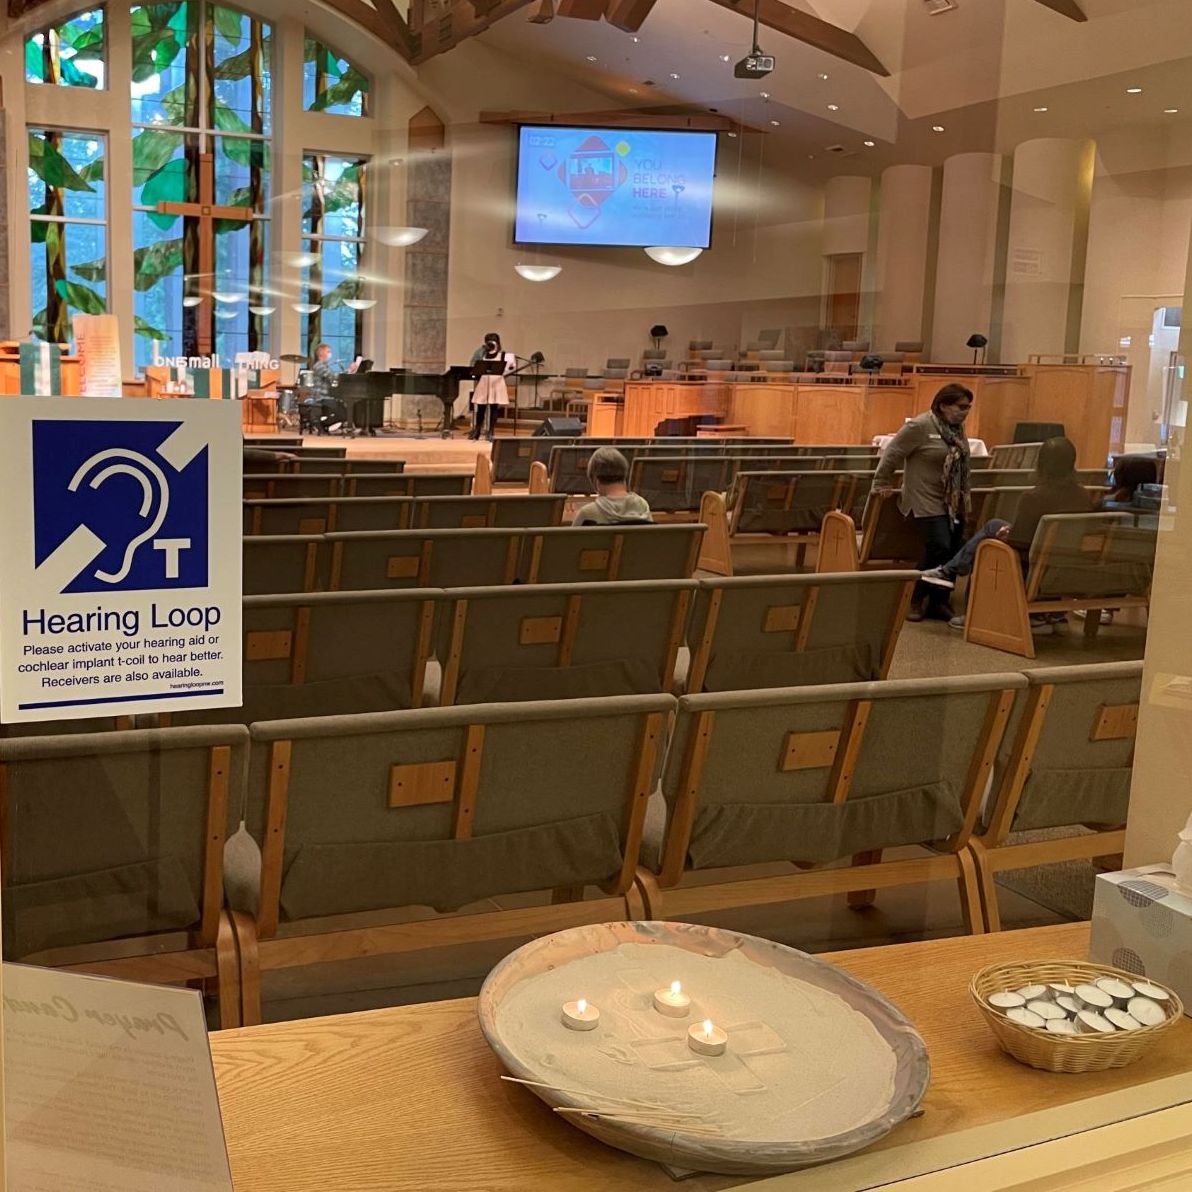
x=1142 y=923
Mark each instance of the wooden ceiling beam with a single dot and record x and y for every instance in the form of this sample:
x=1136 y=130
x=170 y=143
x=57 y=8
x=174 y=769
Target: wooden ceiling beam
x=628 y=15
x=384 y=22
x=1066 y=8
x=464 y=19
x=812 y=31
x=399 y=31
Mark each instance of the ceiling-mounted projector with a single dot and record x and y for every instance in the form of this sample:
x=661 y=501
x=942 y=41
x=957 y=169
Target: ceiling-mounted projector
x=754 y=66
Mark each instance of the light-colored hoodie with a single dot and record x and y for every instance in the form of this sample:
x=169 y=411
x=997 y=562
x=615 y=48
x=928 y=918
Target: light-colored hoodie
x=612 y=511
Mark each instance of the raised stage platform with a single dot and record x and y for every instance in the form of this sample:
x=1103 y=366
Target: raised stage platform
x=421 y=455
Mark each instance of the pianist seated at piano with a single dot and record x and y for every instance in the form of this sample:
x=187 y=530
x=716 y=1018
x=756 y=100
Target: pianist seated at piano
x=322 y=410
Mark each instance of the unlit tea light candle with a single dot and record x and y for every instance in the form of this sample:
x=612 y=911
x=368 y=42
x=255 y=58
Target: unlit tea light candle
x=706 y=1038
x=672 y=1002
x=580 y=1015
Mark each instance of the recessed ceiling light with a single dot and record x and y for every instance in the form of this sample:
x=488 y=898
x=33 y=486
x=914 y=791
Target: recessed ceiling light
x=1133 y=90
x=726 y=57
x=591 y=57
x=673 y=75
x=764 y=94
x=870 y=144
x=833 y=107
x=733 y=135
x=1170 y=111
x=937 y=128
x=636 y=40
x=1040 y=109
x=823 y=76
x=775 y=123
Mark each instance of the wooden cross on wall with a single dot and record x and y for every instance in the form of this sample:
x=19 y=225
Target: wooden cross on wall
x=206 y=212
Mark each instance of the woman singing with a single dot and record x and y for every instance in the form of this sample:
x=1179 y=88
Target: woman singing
x=491 y=392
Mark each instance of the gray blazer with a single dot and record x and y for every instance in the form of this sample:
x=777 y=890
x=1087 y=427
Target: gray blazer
x=919 y=451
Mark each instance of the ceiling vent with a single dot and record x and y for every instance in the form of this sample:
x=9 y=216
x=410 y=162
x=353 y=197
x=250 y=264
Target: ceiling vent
x=935 y=7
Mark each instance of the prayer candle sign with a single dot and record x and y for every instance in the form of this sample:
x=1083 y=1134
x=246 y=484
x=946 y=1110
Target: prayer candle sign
x=108 y=1085
x=121 y=587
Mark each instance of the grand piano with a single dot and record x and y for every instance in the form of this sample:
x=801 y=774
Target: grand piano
x=364 y=393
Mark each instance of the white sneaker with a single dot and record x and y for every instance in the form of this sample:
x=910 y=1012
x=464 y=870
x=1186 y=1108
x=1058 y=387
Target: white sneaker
x=937 y=578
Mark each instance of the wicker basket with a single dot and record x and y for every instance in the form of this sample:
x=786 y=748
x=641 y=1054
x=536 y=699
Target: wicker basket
x=1064 y=1053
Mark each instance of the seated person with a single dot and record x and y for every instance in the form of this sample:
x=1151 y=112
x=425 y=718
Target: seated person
x=1056 y=491
x=321 y=408
x=615 y=505
x=1130 y=473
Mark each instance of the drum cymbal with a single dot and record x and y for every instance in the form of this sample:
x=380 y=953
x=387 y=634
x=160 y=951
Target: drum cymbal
x=293 y=358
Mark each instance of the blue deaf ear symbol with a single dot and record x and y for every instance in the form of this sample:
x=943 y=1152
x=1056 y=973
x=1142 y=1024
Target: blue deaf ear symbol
x=155 y=497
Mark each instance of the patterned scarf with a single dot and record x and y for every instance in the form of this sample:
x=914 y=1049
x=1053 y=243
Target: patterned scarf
x=956 y=468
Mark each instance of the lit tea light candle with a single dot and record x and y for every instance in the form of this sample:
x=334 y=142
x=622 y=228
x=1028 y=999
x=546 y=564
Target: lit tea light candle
x=706 y=1038
x=672 y=1002
x=580 y=1015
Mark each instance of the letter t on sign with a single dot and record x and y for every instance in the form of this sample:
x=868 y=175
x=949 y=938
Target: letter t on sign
x=171 y=548
x=206 y=212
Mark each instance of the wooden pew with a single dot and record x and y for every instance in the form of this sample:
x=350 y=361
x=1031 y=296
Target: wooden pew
x=1077 y=561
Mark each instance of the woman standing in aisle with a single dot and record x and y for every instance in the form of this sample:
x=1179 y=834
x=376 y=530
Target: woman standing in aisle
x=491 y=393
x=932 y=451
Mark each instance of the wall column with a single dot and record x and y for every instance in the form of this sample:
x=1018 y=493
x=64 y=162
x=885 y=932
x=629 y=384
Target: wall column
x=904 y=252
x=428 y=205
x=1046 y=247
x=847 y=218
x=969 y=271
x=1161 y=791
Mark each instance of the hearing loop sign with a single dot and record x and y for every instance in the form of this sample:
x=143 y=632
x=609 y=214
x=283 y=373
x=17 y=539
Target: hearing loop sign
x=121 y=587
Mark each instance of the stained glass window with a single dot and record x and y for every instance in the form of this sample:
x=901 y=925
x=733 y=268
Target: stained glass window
x=201 y=86
x=333 y=215
x=67 y=228
x=68 y=54
x=332 y=84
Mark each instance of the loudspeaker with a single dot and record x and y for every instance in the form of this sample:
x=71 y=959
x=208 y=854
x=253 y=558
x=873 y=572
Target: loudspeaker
x=562 y=428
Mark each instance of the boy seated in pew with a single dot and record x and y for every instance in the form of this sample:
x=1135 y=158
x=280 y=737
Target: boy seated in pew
x=1056 y=491
x=615 y=505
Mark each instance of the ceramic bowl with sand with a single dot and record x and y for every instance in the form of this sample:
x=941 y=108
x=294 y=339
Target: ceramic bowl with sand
x=818 y=1064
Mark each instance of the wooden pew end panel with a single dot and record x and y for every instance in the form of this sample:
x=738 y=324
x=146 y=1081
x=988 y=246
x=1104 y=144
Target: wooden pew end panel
x=998 y=615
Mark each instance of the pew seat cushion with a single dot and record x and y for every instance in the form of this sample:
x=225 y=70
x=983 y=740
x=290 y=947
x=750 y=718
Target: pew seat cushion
x=505 y=684
x=106 y=904
x=851 y=662
x=347 y=877
x=728 y=834
x=1060 y=798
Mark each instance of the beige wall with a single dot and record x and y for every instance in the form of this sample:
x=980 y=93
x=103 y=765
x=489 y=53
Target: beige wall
x=1140 y=217
x=1161 y=792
